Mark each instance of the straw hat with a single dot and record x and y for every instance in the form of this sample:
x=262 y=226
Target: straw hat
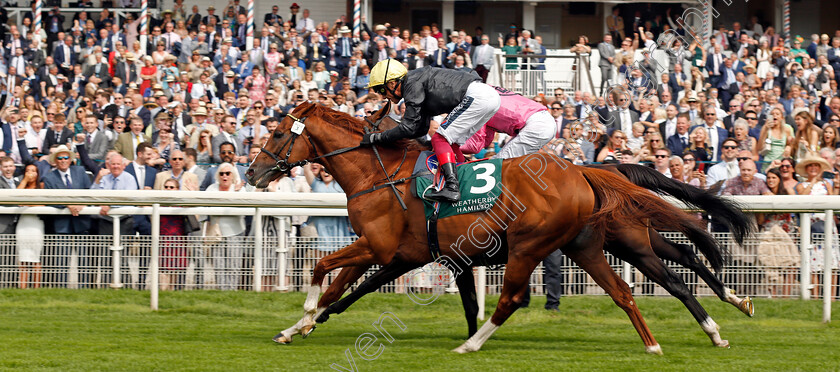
x=811 y=159
x=61 y=150
x=200 y=111
x=344 y=30
x=380 y=28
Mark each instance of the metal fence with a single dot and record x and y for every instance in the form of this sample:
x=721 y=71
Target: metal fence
x=229 y=263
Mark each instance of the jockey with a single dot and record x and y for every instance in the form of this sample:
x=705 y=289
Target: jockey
x=427 y=92
x=526 y=121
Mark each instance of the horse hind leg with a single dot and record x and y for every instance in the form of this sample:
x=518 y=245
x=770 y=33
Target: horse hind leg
x=596 y=265
x=684 y=256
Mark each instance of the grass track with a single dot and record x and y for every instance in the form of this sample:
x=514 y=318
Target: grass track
x=204 y=331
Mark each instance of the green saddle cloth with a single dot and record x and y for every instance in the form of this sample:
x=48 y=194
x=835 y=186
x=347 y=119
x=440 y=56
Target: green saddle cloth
x=478 y=182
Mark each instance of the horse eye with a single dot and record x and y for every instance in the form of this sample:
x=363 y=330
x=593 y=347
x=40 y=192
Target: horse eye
x=278 y=134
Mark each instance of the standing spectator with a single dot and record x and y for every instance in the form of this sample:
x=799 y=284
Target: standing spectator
x=65 y=176
x=186 y=180
x=191 y=164
x=776 y=136
x=811 y=169
x=661 y=161
x=29 y=232
x=482 y=57
x=174 y=256
x=830 y=139
x=228 y=253
x=728 y=166
x=615 y=25
x=776 y=250
x=327 y=227
x=679 y=142
x=128 y=142
x=607 y=56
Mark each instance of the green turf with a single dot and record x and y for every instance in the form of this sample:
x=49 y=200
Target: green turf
x=201 y=331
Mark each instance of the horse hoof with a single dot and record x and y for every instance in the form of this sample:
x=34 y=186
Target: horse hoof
x=746 y=306
x=306 y=330
x=655 y=349
x=723 y=344
x=282 y=339
x=462 y=349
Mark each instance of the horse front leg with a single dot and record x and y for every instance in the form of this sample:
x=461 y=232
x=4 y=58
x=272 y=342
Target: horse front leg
x=357 y=254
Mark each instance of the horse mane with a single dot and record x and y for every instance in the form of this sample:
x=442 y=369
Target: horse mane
x=352 y=124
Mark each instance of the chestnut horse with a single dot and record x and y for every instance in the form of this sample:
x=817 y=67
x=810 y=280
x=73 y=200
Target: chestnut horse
x=655 y=270
x=543 y=203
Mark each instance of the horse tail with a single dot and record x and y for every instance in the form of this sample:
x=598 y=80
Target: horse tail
x=620 y=201
x=722 y=209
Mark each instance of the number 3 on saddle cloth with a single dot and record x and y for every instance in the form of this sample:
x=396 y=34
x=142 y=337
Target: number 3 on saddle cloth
x=479 y=186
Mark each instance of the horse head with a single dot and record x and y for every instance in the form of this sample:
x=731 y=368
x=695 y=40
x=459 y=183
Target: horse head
x=309 y=133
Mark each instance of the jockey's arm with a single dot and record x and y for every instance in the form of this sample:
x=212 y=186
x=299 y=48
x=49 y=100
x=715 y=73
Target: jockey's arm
x=412 y=124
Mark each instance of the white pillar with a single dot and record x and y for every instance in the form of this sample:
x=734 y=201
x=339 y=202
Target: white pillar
x=117 y=250
x=368 y=12
x=482 y=291
x=529 y=16
x=154 y=268
x=447 y=18
x=805 y=258
x=144 y=26
x=249 y=38
x=828 y=265
x=258 y=249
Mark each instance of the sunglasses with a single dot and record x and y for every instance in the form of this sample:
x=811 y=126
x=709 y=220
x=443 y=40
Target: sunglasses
x=224 y=173
x=179 y=159
x=729 y=147
x=742 y=158
x=170 y=187
x=785 y=166
x=710 y=114
x=62 y=157
x=834 y=119
x=660 y=156
x=556 y=108
x=688 y=159
x=751 y=118
x=226 y=152
x=655 y=140
x=620 y=137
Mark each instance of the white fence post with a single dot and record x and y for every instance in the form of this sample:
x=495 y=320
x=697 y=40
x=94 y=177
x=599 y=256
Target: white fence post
x=258 y=246
x=154 y=268
x=626 y=273
x=805 y=257
x=117 y=250
x=828 y=264
x=482 y=290
x=281 y=261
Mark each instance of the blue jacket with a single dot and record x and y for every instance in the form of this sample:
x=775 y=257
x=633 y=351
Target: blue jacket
x=80 y=181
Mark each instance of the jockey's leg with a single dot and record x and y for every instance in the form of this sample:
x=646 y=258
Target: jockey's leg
x=446 y=164
x=459 y=156
x=539 y=129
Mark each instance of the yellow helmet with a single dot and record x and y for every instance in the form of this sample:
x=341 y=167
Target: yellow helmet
x=385 y=71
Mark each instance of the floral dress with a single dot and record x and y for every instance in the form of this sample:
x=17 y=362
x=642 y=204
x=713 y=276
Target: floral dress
x=257 y=87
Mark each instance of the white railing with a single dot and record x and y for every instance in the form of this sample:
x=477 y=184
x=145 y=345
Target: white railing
x=289 y=264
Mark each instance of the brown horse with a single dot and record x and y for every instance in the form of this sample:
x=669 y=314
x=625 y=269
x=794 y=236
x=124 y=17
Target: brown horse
x=543 y=203
x=616 y=242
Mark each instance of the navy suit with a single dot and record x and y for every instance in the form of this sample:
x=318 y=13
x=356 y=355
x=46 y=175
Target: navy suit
x=60 y=58
x=142 y=223
x=80 y=181
x=675 y=145
x=834 y=61
x=7 y=137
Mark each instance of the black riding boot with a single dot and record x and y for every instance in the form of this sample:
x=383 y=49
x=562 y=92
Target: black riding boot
x=450 y=192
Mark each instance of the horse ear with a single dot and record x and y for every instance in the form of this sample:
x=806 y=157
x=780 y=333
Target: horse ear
x=383 y=112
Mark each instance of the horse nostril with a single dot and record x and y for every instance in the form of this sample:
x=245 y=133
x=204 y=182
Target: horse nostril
x=250 y=173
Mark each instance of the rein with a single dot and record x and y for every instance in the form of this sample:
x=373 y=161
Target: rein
x=283 y=165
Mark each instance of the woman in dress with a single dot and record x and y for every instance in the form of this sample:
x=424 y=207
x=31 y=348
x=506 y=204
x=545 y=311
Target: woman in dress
x=308 y=82
x=160 y=53
x=811 y=169
x=807 y=136
x=256 y=85
x=272 y=60
x=29 y=234
x=204 y=147
x=775 y=138
x=165 y=146
x=321 y=75
x=228 y=252
x=776 y=248
x=763 y=55
x=174 y=256
x=699 y=147
x=181 y=29
x=148 y=74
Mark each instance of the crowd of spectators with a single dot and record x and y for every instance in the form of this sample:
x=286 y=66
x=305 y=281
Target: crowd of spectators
x=85 y=105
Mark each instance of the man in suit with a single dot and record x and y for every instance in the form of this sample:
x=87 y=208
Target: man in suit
x=57 y=134
x=194 y=19
x=727 y=85
x=273 y=18
x=127 y=143
x=53 y=24
x=144 y=176
x=678 y=142
x=65 y=176
x=96 y=141
x=668 y=127
x=64 y=56
x=715 y=133
x=344 y=44
x=227 y=154
x=293 y=71
x=136 y=107
x=8 y=181
x=187 y=181
x=607 y=55
x=438 y=58
x=125 y=68
x=676 y=80
x=734 y=114
x=623 y=117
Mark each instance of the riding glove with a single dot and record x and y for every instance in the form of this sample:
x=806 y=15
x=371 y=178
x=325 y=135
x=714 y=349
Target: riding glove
x=369 y=139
